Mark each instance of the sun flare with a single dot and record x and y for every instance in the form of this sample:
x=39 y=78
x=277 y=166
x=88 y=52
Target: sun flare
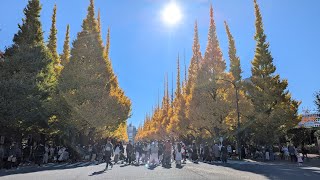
x=172 y=14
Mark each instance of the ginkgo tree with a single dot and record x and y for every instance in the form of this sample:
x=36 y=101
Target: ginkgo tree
x=207 y=104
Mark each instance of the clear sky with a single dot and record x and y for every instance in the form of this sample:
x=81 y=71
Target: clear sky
x=144 y=49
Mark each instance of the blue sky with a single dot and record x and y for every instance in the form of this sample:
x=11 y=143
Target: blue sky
x=144 y=49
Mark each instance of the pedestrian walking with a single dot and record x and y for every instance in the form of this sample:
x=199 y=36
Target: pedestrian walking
x=154 y=154
x=229 y=149
x=206 y=152
x=160 y=151
x=121 y=155
x=299 y=159
x=46 y=154
x=51 y=153
x=94 y=153
x=167 y=154
x=224 y=153
x=292 y=153
x=194 y=155
x=108 y=154
x=116 y=153
x=12 y=157
x=138 y=151
x=63 y=154
x=267 y=154
x=304 y=152
x=184 y=152
x=145 y=152
x=39 y=152
x=285 y=152
x=178 y=155
x=129 y=150
x=201 y=152
x=216 y=152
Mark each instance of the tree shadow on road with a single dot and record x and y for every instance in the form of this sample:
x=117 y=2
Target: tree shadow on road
x=275 y=171
x=32 y=169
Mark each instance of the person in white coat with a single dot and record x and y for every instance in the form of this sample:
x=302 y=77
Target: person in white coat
x=178 y=152
x=154 y=154
x=116 y=153
x=46 y=154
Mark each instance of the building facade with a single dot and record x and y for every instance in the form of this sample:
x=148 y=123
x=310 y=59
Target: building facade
x=132 y=131
x=310 y=120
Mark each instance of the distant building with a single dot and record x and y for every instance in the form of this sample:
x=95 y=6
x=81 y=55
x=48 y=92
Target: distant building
x=132 y=131
x=310 y=120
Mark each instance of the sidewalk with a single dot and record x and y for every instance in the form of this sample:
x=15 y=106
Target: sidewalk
x=312 y=160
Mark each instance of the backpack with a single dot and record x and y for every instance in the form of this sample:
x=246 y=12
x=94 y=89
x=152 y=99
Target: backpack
x=108 y=148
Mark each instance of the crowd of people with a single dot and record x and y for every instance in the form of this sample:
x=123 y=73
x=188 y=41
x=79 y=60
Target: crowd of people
x=13 y=155
x=154 y=153
x=283 y=152
x=150 y=153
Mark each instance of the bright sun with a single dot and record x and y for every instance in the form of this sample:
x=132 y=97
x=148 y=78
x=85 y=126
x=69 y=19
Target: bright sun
x=171 y=14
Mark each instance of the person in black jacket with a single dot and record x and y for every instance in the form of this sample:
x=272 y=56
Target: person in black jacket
x=129 y=150
x=224 y=153
x=121 y=157
x=194 y=155
x=206 y=153
x=304 y=152
x=39 y=152
x=160 y=151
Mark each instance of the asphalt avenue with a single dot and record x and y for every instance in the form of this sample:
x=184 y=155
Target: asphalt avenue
x=231 y=170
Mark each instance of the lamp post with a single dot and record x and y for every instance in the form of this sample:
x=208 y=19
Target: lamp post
x=238 y=113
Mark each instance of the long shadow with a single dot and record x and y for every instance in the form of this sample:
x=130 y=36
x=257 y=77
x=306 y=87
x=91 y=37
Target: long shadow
x=97 y=173
x=276 y=171
x=32 y=169
x=124 y=165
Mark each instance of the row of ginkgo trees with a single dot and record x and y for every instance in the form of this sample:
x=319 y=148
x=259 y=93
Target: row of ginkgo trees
x=205 y=106
x=74 y=97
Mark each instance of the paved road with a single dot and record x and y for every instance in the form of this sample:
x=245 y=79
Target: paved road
x=232 y=170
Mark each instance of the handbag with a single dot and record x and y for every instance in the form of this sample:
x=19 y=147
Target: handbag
x=10 y=158
x=13 y=159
